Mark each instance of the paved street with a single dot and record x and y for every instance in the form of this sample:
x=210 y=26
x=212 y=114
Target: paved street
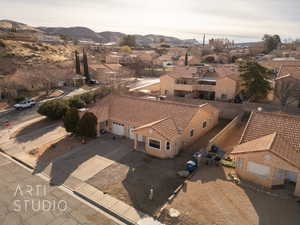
x=26 y=199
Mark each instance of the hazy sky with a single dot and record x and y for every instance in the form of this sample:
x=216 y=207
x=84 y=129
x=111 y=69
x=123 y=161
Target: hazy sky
x=242 y=20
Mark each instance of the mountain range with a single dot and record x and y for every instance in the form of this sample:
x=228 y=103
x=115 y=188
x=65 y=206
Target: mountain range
x=84 y=33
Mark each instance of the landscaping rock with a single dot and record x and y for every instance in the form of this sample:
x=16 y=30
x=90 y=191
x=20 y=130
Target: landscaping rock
x=174 y=213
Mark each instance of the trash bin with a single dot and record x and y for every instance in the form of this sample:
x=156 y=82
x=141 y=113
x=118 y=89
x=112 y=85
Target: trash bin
x=191 y=166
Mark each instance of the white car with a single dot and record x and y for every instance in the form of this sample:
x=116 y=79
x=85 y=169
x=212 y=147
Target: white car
x=25 y=104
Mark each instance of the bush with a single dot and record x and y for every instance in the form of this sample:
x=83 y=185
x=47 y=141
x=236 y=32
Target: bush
x=54 y=110
x=88 y=98
x=19 y=99
x=71 y=120
x=76 y=102
x=209 y=59
x=87 y=126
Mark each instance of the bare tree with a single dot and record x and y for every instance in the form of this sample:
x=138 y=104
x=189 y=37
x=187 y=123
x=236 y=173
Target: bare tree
x=287 y=91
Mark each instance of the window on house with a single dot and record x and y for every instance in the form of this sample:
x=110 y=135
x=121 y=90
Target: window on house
x=168 y=146
x=154 y=144
x=192 y=133
x=204 y=124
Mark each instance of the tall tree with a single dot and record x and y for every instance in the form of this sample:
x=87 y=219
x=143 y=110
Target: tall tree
x=128 y=40
x=71 y=120
x=87 y=126
x=271 y=42
x=255 y=80
x=186 y=60
x=86 y=72
x=77 y=63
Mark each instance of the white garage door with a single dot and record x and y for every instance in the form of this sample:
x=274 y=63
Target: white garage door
x=258 y=169
x=118 y=129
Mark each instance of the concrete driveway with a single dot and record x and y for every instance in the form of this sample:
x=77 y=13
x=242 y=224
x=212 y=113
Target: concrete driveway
x=85 y=161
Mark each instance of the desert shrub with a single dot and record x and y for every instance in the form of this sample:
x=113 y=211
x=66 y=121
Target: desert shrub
x=71 y=120
x=87 y=126
x=209 y=59
x=55 y=109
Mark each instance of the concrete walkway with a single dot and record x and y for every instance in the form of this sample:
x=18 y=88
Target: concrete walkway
x=110 y=203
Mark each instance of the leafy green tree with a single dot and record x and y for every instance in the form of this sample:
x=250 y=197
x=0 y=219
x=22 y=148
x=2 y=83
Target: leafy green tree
x=76 y=102
x=55 y=109
x=271 y=42
x=71 y=120
x=87 y=126
x=128 y=40
x=255 y=80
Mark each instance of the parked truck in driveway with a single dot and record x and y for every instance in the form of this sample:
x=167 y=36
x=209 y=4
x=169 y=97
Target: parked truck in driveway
x=25 y=104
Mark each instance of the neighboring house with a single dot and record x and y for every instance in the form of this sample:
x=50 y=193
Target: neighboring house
x=164 y=60
x=106 y=71
x=161 y=128
x=269 y=150
x=204 y=82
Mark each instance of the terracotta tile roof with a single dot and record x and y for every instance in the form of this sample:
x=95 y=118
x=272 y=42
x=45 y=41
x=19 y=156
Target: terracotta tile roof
x=166 y=127
x=282 y=131
x=289 y=71
x=260 y=144
x=139 y=112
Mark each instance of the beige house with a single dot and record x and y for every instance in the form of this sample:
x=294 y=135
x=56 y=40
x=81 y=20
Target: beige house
x=205 y=82
x=269 y=150
x=160 y=128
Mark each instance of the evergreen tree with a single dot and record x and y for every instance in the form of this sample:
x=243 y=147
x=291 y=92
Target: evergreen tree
x=87 y=126
x=71 y=120
x=77 y=63
x=255 y=79
x=186 y=60
x=86 y=67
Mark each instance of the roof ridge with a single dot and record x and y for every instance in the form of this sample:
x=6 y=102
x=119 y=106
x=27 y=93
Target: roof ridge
x=162 y=101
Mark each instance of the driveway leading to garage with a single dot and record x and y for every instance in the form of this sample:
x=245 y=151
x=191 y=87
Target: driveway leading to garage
x=86 y=160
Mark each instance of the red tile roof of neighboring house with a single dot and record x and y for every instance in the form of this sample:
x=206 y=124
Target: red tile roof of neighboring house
x=278 y=133
x=142 y=112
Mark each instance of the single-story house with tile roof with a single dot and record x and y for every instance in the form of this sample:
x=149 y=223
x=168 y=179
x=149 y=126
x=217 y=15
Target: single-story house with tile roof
x=161 y=128
x=269 y=150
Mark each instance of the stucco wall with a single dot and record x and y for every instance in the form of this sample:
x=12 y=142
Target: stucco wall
x=167 y=83
x=225 y=86
x=264 y=159
x=223 y=134
x=197 y=125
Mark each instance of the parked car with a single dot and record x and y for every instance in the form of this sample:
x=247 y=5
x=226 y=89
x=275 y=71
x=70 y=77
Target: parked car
x=25 y=104
x=93 y=82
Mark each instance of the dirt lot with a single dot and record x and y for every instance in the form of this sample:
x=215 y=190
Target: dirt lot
x=209 y=198
x=54 y=149
x=131 y=178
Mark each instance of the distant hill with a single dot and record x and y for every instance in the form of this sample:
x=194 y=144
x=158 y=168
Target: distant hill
x=77 y=33
x=6 y=25
x=84 y=33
